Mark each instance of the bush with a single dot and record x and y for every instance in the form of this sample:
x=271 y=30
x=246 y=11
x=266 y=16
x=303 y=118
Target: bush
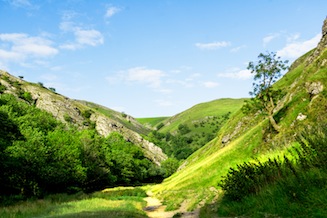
x=250 y=178
x=87 y=114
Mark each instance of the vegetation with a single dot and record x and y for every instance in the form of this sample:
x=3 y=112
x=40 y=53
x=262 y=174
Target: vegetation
x=181 y=135
x=116 y=116
x=251 y=137
x=115 y=202
x=266 y=72
x=294 y=181
x=152 y=122
x=41 y=156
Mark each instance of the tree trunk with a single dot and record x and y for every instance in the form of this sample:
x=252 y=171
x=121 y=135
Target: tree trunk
x=273 y=123
x=270 y=115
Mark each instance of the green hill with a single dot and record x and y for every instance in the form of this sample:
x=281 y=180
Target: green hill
x=151 y=122
x=179 y=136
x=245 y=137
x=204 y=112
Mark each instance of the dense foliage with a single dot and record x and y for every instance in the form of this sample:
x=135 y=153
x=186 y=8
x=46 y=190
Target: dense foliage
x=307 y=168
x=40 y=155
x=187 y=139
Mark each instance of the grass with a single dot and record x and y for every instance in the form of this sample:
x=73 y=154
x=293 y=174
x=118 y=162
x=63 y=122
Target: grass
x=302 y=194
x=202 y=111
x=203 y=170
x=151 y=121
x=116 y=202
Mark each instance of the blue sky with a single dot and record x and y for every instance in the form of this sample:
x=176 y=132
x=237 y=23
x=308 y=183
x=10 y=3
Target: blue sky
x=151 y=58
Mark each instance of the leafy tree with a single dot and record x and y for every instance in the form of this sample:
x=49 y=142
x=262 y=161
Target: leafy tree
x=170 y=166
x=183 y=129
x=266 y=72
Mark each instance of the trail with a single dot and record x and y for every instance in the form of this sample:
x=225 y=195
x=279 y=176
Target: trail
x=155 y=209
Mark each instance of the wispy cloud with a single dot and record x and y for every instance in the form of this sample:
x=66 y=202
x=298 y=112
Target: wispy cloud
x=82 y=36
x=22 y=46
x=236 y=73
x=210 y=84
x=212 y=45
x=150 y=77
x=295 y=49
x=111 y=11
x=267 y=39
x=140 y=75
x=23 y=4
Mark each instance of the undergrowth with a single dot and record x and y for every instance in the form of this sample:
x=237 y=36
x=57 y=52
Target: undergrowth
x=287 y=186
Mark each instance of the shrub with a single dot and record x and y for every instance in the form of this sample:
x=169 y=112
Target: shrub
x=52 y=89
x=87 y=114
x=67 y=118
x=250 y=178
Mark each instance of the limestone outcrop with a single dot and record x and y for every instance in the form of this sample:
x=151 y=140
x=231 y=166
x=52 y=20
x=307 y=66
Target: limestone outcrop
x=70 y=111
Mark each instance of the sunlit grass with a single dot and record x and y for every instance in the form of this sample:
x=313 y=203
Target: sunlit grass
x=151 y=121
x=200 y=111
x=117 y=202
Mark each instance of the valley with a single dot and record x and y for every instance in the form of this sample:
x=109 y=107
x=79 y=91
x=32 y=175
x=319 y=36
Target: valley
x=72 y=158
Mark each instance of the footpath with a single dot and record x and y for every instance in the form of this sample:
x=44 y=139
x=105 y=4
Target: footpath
x=155 y=209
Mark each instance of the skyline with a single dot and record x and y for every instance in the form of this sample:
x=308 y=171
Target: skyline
x=151 y=58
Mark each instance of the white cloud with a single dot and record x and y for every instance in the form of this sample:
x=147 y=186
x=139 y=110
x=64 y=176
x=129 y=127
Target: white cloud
x=21 y=46
x=89 y=37
x=150 y=77
x=236 y=74
x=111 y=11
x=210 y=84
x=293 y=37
x=82 y=36
x=266 y=40
x=295 y=49
x=23 y=4
x=212 y=45
x=9 y=55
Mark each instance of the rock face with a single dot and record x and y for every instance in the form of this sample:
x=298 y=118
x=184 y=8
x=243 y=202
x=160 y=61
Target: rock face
x=321 y=45
x=70 y=111
x=105 y=126
x=314 y=88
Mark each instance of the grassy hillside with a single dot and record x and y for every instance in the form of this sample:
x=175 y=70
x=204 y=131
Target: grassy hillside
x=179 y=136
x=151 y=122
x=202 y=113
x=243 y=137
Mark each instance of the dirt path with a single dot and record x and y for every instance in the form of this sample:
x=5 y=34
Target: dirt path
x=155 y=209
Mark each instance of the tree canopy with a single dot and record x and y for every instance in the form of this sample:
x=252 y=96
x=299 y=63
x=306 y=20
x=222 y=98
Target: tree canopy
x=266 y=72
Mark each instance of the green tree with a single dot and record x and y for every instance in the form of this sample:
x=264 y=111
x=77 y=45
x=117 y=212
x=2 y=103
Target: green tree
x=266 y=72
x=170 y=166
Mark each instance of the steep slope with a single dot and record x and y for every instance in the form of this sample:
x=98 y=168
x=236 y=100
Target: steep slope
x=124 y=119
x=250 y=136
x=151 y=122
x=203 y=112
x=179 y=136
x=81 y=114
